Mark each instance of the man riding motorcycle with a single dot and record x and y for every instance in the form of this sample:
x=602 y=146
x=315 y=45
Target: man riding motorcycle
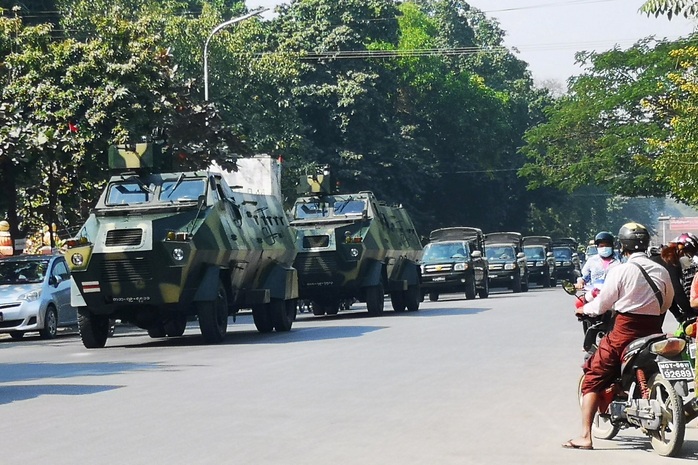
x=597 y=266
x=629 y=289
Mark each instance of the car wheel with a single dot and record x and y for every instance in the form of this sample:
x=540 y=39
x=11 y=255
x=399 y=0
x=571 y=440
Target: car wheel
x=50 y=328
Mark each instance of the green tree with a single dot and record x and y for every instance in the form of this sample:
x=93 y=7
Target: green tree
x=671 y=8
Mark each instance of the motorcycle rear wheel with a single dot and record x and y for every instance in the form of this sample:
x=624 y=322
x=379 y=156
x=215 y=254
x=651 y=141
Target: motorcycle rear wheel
x=601 y=427
x=669 y=439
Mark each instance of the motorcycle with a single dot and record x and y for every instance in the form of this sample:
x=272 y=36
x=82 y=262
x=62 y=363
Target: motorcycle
x=644 y=395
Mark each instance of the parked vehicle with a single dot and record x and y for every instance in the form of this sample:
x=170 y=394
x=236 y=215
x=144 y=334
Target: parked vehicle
x=454 y=261
x=35 y=295
x=540 y=260
x=352 y=246
x=644 y=395
x=507 y=261
x=567 y=261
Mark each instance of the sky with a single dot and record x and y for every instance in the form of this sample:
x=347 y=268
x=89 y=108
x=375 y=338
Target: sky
x=547 y=33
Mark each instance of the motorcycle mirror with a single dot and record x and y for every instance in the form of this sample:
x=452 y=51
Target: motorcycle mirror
x=569 y=287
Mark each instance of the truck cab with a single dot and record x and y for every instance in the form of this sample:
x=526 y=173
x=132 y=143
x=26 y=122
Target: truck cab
x=567 y=259
x=454 y=261
x=507 y=261
x=540 y=260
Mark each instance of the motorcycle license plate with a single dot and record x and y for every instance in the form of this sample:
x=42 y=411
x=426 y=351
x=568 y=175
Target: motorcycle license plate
x=676 y=370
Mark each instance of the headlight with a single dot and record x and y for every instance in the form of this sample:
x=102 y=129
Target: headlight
x=30 y=296
x=178 y=254
x=77 y=259
x=510 y=266
x=354 y=252
x=566 y=263
x=460 y=267
x=670 y=347
x=540 y=263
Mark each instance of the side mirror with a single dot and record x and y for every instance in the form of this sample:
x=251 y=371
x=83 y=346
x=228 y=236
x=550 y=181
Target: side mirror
x=201 y=201
x=520 y=255
x=476 y=254
x=54 y=280
x=569 y=287
x=549 y=254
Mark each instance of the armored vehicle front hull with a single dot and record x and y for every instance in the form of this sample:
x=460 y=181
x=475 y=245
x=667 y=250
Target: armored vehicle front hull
x=157 y=260
x=356 y=249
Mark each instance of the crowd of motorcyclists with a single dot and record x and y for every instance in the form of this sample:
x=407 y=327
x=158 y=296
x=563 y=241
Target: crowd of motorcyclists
x=638 y=288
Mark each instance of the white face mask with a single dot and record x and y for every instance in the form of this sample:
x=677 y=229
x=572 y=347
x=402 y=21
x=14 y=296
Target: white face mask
x=605 y=252
x=695 y=259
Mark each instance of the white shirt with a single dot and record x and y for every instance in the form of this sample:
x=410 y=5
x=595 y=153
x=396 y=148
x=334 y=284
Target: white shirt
x=627 y=291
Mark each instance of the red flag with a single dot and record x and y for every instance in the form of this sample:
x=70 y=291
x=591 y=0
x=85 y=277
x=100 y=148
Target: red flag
x=72 y=127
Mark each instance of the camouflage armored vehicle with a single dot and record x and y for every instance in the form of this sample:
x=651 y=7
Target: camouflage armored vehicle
x=161 y=248
x=351 y=246
x=540 y=260
x=566 y=258
x=507 y=261
x=454 y=261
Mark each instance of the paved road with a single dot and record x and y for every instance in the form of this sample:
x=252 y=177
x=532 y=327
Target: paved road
x=460 y=382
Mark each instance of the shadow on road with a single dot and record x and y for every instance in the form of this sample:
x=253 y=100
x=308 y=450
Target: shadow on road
x=14 y=393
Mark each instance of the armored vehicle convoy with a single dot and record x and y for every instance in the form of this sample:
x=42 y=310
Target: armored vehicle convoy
x=161 y=248
x=540 y=260
x=566 y=258
x=454 y=261
x=507 y=262
x=351 y=246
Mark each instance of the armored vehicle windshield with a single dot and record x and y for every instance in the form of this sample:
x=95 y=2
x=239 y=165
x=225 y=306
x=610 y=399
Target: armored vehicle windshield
x=310 y=208
x=135 y=192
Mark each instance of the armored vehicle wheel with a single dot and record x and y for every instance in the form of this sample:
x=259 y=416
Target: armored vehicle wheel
x=398 y=301
x=213 y=317
x=157 y=330
x=470 y=290
x=94 y=329
x=413 y=297
x=433 y=296
x=16 y=335
x=553 y=281
x=176 y=325
x=546 y=279
x=516 y=285
x=282 y=314
x=375 y=296
x=50 y=328
x=484 y=292
x=261 y=314
x=318 y=310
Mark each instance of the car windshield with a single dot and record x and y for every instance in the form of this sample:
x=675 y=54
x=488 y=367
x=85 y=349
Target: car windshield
x=22 y=271
x=129 y=193
x=591 y=250
x=182 y=190
x=434 y=252
x=534 y=253
x=501 y=252
x=563 y=253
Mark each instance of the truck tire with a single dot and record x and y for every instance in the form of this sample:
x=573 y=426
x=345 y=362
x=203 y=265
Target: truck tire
x=332 y=308
x=484 y=292
x=516 y=285
x=94 y=329
x=524 y=284
x=175 y=325
x=157 y=330
x=546 y=278
x=470 y=290
x=413 y=297
x=261 y=314
x=282 y=314
x=375 y=296
x=213 y=317
x=398 y=301
x=318 y=309
x=433 y=296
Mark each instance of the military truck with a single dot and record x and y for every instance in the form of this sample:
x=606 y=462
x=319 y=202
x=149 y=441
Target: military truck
x=352 y=246
x=454 y=261
x=507 y=261
x=161 y=248
x=566 y=258
x=540 y=260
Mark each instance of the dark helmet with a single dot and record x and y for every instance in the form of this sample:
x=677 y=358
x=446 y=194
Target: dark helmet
x=634 y=237
x=604 y=236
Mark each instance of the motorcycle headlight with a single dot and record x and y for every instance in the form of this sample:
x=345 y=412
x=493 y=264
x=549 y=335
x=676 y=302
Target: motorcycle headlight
x=30 y=296
x=460 y=267
x=510 y=266
x=670 y=347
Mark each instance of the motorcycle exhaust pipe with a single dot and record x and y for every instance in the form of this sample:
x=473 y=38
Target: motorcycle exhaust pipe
x=690 y=410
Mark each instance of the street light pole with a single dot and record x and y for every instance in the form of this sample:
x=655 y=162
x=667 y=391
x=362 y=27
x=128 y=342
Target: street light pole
x=216 y=29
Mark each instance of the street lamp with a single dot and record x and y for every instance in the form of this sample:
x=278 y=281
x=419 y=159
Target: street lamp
x=213 y=32
x=663 y=220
